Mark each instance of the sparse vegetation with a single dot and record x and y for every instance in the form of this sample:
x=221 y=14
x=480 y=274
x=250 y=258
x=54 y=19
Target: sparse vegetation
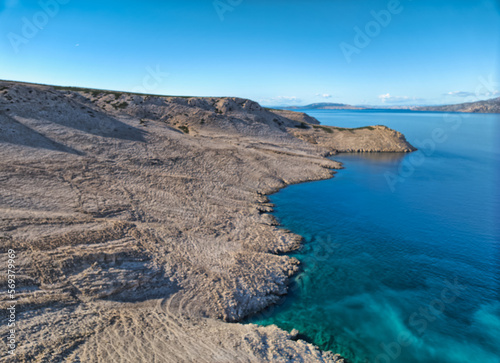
x=365 y=127
x=184 y=129
x=280 y=123
x=120 y=105
x=354 y=129
x=302 y=125
x=272 y=109
x=107 y=92
x=324 y=128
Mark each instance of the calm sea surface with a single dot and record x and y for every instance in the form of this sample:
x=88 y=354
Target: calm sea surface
x=401 y=257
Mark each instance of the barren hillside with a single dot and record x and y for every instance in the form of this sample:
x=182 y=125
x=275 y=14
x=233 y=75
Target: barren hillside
x=141 y=224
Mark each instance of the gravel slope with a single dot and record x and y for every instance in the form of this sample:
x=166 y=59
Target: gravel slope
x=141 y=223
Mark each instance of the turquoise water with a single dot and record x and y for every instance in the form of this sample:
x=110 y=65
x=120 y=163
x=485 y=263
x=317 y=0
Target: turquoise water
x=401 y=256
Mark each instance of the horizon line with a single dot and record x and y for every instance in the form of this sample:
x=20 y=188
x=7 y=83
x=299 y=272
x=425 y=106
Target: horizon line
x=76 y=88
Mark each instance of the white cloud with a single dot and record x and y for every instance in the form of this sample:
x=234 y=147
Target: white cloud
x=281 y=100
x=460 y=94
x=324 y=95
x=387 y=98
x=286 y=98
x=472 y=94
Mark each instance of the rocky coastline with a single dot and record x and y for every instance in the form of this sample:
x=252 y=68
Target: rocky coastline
x=141 y=223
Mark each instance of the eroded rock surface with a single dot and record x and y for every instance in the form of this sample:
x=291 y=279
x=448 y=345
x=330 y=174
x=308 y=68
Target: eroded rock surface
x=369 y=139
x=141 y=223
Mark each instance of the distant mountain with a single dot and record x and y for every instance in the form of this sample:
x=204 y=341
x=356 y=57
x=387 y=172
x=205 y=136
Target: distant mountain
x=324 y=106
x=487 y=106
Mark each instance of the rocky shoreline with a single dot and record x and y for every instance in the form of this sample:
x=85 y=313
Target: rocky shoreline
x=141 y=223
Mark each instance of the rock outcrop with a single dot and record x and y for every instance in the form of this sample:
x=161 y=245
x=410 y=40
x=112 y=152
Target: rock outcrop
x=300 y=117
x=370 y=139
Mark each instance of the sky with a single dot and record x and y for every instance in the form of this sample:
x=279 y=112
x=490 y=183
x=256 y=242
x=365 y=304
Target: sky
x=277 y=52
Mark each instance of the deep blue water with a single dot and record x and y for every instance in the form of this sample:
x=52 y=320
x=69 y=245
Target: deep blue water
x=401 y=253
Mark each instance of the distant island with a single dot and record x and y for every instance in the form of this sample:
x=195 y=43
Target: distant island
x=487 y=106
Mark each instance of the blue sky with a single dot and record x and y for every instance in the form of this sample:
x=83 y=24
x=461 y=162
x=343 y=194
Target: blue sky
x=276 y=52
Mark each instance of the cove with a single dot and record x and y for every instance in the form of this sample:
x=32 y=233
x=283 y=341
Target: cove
x=408 y=273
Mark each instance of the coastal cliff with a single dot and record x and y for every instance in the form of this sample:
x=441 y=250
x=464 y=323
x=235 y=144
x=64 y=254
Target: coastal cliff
x=141 y=223
x=369 y=139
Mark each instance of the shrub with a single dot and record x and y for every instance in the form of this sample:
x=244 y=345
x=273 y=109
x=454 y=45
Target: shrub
x=184 y=129
x=120 y=105
x=302 y=125
x=324 y=128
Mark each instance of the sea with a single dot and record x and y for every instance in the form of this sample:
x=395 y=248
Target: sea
x=401 y=254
